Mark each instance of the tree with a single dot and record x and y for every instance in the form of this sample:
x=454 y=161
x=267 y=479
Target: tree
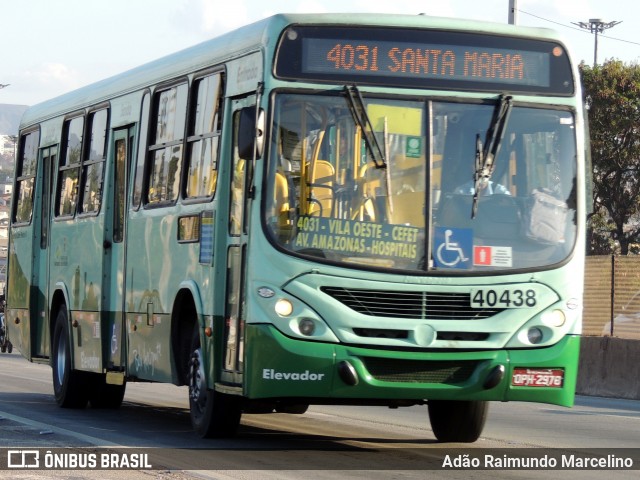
x=612 y=91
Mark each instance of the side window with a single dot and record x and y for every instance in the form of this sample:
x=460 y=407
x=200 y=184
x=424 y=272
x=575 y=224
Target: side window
x=166 y=146
x=237 y=184
x=67 y=197
x=142 y=148
x=204 y=132
x=25 y=177
x=93 y=162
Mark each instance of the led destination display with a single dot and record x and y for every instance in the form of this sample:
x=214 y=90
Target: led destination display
x=424 y=59
x=435 y=61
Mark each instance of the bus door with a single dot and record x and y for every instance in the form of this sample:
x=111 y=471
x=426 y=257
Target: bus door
x=238 y=229
x=40 y=292
x=115 y=251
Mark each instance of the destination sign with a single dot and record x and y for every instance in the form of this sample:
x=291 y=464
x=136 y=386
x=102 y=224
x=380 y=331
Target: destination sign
x=425 y=59
x=351 y=237
x=435 y=61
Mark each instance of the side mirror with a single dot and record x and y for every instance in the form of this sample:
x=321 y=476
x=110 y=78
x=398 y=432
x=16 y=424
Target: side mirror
x=250 y=133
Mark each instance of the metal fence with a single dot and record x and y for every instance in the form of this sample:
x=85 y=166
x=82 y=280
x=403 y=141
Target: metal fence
x=612 y=296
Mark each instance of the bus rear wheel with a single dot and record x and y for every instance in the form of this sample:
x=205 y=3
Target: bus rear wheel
x=457 y=421
x=68 y=386
x=213 y=414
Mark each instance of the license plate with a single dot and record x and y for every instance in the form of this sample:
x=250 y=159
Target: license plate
x=537 y=377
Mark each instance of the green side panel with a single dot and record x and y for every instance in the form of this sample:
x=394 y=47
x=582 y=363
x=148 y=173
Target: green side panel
x=278 y=366
x=18 y=306
x=565 y=355
x=40 y=342
x=19 y=269
x=212 y=349
x=149 y=356
x=19 y=331
x=86 y=341
x=268 y=353
x=113 y=340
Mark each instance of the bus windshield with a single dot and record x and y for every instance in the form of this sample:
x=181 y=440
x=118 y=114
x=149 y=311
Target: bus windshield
x=327 y=198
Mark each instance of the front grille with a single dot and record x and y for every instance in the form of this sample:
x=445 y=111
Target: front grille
x=464 y=336
x=419 y=371
x=381 y=333
x=410 y=305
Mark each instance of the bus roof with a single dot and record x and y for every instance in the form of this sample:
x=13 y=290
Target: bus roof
x=250 y=38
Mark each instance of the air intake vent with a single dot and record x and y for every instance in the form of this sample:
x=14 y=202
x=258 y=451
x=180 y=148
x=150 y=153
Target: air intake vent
x=419 y=371
x=381 y=333
x=410 y=305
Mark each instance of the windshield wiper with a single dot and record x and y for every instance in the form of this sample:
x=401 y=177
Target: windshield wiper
x=485 y=157
x=360 y=116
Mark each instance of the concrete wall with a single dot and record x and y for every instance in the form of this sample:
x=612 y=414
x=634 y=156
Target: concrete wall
x=609 y=367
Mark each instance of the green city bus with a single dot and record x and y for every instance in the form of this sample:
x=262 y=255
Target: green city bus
x=312 y=209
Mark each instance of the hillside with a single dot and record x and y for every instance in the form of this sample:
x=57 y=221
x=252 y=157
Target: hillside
x=10 y=118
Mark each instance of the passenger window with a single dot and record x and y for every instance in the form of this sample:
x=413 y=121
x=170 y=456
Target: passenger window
x=93 y=164
x=202 y=142
x=67 y=198
x=236 y=209
x=167 y=145
x=142 y=148
x=25 y=178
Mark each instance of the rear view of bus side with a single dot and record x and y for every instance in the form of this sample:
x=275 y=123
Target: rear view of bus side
x=313 y=209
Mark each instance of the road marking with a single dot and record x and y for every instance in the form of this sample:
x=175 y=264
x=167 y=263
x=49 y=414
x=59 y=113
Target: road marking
x=631 y=415
x=22 y=377
x=61 y=431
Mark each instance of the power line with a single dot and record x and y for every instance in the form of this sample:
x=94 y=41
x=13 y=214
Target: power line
x=574 y=28
x=550 y=21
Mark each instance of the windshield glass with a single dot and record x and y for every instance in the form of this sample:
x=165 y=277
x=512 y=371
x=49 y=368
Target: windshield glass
x=327 y=198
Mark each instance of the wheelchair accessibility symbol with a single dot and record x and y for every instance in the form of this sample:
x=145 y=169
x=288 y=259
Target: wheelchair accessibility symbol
x=453 y=247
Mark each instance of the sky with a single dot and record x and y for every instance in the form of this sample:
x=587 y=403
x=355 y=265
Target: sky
x=50 y=47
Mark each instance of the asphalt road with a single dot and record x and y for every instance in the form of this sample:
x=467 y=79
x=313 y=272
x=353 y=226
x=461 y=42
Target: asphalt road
x=326 y=442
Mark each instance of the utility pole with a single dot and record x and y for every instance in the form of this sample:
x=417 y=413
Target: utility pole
x=513 y=12
x=596 y=25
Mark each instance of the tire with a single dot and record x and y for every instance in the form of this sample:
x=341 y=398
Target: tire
x=457 y=421
x=105 y=395
x=9 y=347
x=68 y=384
x=213 y=414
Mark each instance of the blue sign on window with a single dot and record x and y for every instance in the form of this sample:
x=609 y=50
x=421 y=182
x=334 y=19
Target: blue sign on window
x=453 y=247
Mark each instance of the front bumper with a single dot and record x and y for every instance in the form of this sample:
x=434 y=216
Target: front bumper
x=281 y=367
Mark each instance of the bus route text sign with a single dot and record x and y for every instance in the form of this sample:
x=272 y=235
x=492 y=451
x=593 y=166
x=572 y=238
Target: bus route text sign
x=352 y=237
x=446 y=61
x=425 y=58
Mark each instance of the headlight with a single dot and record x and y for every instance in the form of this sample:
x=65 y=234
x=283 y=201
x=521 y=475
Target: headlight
x=288 y=314
x=554 y=318
x=284 y=307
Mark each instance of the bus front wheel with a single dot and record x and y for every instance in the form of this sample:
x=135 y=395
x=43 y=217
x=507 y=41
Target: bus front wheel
x=67 y=383
x=457 y=421
x=213 y=414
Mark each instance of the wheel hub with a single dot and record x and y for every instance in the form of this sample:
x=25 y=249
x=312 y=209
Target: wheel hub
x=197 y=384
x=61 y=359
